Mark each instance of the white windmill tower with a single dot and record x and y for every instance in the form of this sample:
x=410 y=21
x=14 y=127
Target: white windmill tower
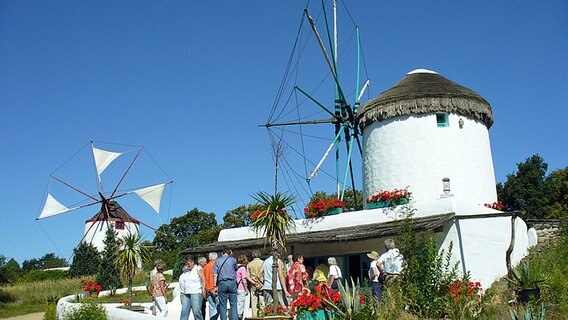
x=430 y=134
x=111 y=213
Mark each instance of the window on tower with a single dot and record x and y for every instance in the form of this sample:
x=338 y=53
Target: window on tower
x=119 y=225
x=442 y=120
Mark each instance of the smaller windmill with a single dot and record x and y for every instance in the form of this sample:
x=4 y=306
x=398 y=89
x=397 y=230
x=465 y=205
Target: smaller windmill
x=110 y=212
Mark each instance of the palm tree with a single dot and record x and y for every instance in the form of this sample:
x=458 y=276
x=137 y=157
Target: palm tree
x=130 y=254
x=273 y=222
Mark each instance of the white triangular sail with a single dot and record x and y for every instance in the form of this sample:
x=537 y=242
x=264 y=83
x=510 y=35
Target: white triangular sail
x=152 y=195
x=103 y=159
x=52 y=207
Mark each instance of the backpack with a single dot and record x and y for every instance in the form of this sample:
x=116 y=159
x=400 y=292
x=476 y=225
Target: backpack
x=150 y=289
x=241 y=280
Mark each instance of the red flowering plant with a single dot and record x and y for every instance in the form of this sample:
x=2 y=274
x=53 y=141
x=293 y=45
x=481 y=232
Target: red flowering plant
x=321 y=298
x=270 y=311
x=497 y=205
x=463 y=299
x=91 y=287
x=318 y=207
x=126 y=302
x=395 y=195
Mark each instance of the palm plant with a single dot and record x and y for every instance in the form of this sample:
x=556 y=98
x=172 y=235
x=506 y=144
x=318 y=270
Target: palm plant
x=130 y=254
x=273 y=222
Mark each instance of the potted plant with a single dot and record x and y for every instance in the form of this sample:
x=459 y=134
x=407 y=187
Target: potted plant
x=317 y=304
x=281 y=312
x=526 y=279
x=323 y=207
x=91 y=288
x=386 y=198
x=497 y=205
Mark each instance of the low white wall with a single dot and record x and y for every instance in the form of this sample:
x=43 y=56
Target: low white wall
x=480 y=245
x=67 y=304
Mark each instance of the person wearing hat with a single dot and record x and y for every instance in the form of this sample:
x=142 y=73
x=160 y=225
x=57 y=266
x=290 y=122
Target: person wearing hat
x=374 y=275
x=320 y=273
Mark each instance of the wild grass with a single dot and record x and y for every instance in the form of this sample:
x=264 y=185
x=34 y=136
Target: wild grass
x=32 y=297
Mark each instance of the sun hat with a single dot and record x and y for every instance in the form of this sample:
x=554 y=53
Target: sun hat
x=373 y=255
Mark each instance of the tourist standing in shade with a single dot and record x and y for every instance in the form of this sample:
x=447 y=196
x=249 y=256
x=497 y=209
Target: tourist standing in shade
x=243 y=280
x=202 y=261
x=267 y=284
x=225 y=274
x=297 y=276
x=374 y=275
x=390 y=263
x=210 y=287
x=255 y=270
x=191 y=289
x=320 y=273
x=334 y=276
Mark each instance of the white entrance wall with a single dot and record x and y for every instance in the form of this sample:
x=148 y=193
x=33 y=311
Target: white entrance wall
x=480 y=242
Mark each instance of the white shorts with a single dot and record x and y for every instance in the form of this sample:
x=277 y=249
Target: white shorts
x=161 y=306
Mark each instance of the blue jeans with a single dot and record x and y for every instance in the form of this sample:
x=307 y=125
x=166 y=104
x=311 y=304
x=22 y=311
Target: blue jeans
x=228 y=290
x=377 y=290
x=191 y=302
x=213 y=301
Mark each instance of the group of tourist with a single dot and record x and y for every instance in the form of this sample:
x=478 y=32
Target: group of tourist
x=384 y=269
x=225 y=281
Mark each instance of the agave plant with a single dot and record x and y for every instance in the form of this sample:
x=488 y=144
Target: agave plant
x=273 y=222
x=526 y=276
x=538 y=313
x=350 y=297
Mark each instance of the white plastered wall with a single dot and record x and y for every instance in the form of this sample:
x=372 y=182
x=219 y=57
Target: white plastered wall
x=480 y=245
x=413 y=151
x=96 y=234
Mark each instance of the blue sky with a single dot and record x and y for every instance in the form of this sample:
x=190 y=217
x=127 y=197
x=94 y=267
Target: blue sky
x=191 y=80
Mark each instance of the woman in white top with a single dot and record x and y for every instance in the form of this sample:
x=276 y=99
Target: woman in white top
x=192 y=289
x=334 y=276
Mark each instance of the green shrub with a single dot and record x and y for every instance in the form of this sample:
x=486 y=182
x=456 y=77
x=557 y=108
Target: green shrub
x=109 y=273
x=86 y=260
x=87 y=311
x=50 y=312
x=6 y=297
x=428 y=273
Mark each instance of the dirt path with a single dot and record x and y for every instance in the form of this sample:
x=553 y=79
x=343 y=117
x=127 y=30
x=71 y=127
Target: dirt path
x=31 y=316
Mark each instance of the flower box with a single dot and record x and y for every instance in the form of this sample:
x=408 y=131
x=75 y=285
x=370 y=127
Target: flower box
x=384 y=204
x=323 y=207
x=315 y=315
x=333 y=211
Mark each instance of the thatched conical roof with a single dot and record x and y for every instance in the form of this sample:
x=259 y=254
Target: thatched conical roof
x=115 y=212
x=424 y=91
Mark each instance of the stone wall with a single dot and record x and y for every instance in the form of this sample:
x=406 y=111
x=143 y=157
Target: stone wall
x=546 y=229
